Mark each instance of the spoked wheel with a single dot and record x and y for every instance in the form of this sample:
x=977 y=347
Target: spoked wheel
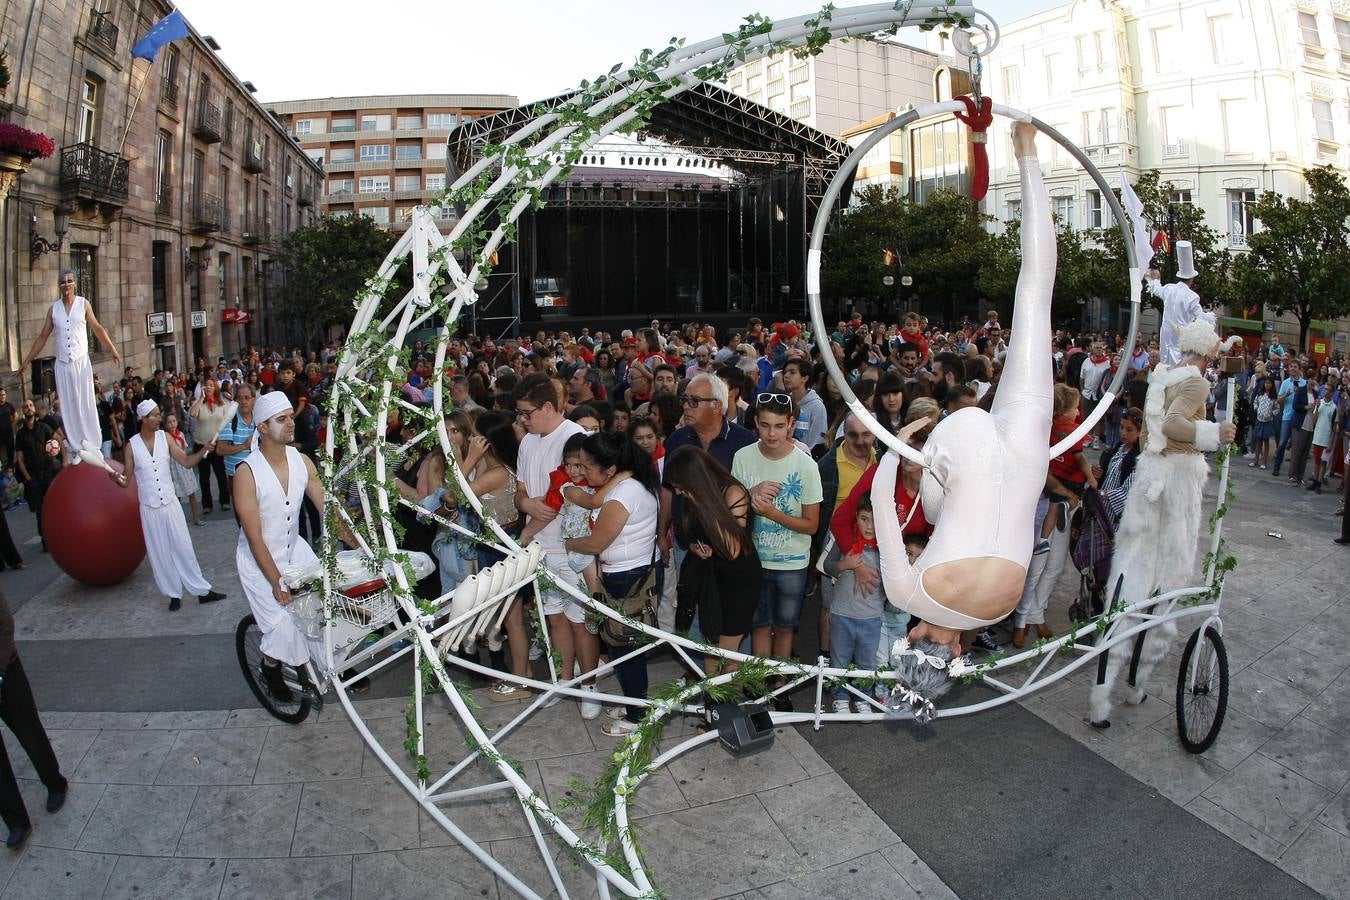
x=1202 y=700
x=248 y=643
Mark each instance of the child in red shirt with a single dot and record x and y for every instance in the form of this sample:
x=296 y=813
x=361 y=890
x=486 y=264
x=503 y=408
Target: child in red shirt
x=1070 y=472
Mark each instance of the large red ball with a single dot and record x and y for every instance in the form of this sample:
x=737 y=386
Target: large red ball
x=92 y=526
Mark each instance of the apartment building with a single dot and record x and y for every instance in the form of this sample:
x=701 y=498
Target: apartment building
x=167 y=195
x=383 y=155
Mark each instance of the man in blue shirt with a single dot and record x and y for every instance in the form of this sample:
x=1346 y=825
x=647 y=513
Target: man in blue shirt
x=235 y=441
x=1291 y=396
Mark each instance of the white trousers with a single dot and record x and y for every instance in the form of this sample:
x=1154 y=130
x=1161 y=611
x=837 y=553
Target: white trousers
x=169 y=547
x=79 y=414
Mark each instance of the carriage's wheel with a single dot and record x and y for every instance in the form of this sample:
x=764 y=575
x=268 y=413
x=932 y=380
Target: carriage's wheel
x=1202 y=700
x=248 y=644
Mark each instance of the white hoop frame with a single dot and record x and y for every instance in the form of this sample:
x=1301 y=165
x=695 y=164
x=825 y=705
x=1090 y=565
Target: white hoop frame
x=429 y=252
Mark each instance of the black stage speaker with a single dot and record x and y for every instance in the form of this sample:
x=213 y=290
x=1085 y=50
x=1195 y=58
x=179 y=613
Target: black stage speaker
x=44 y=375
x=743 y=730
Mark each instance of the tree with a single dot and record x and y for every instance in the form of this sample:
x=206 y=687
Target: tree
x=1082 y=272
x=327 y=265
x=940 y=243
x=1297 y=262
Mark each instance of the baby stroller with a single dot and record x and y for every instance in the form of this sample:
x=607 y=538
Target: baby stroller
x=1093 y=541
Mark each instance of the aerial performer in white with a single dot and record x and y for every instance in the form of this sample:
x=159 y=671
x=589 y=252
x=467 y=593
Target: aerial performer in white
x=1160 y=527
x=71 y=318
x=984 y=471
x=1181 y=304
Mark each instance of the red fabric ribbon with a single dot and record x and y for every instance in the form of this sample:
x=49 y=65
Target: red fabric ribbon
x=978 y=118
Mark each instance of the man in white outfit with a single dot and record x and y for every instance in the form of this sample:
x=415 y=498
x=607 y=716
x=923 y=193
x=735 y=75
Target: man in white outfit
x=1181 y=304
x=167 y=543
x=72 y=320
x=269 y=488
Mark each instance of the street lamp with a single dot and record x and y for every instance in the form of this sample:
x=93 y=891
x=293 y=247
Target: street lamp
x=906 y=282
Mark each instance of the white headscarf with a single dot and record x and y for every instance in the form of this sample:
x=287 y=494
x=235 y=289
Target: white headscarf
x=269 y=405
x=145 y=408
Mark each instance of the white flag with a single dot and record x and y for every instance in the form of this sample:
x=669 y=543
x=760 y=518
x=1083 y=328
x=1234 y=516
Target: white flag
x=1135 y=207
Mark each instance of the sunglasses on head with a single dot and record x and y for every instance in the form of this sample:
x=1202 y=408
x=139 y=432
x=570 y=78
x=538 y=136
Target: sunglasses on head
x=772 y=399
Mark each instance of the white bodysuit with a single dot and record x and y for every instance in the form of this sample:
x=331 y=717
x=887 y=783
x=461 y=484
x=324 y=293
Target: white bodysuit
x=984 y=471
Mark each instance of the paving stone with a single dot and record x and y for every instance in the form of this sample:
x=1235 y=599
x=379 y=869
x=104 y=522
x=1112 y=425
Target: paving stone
x=125 y=757
x=323 y=752
x=657 y=794
x=360 y=816
x=1160 y=760
x=145 y=878
x=484 y=817
x=1269 y=797
x=137 y=819
x=524 y=860
x=53 y=874
x=866 y=876
x=680 y=849
x=708 y=774
x=1267 y=700
x=1316 y=753
x=1244 y=833
x=63 y=829
x=241 y=821
x=1320 y=858
x=916 y=873
x=322 y=878
x=805 y=755
x=107 y=721
x=70 y=748
x=1238 y=738
x=1331 y=708
x=557 y=731
x=219 y=756
x=188 y=719
x=433 y=874
x=1337 y=813
x=825 y=821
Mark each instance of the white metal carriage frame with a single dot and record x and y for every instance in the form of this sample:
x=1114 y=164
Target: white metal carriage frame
x=341 y=658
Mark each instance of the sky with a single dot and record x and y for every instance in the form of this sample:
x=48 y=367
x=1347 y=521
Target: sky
x=303 y=49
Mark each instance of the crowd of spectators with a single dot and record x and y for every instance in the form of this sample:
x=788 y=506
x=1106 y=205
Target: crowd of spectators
x=725 y=469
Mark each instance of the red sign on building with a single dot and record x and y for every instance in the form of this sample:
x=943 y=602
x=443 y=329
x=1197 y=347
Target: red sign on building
x=234 y=316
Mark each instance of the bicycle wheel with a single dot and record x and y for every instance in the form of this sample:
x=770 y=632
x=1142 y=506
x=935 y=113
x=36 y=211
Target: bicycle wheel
x=248 y=644
x=1202 y=700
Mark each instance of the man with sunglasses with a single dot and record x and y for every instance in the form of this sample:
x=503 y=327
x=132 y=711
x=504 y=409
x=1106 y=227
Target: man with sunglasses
x=72 y=319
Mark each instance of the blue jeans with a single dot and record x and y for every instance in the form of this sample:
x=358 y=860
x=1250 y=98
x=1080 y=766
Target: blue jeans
x=632 y=674
x=853 y=642
x=1286 y=432
x=780 y=599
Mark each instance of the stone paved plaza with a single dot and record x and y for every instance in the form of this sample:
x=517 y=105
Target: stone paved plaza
x=183 y=788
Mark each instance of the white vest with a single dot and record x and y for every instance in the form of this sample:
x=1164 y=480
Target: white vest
x=278 y=507
x=154 y=480
x=72 y=336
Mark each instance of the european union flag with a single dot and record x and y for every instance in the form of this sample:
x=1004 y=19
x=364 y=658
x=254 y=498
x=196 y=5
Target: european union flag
x=166 y=30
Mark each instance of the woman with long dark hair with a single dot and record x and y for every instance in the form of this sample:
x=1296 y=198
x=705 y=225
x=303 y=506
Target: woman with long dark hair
x=888 y=403
x=623 y=537
x=721 y=552
x=1116 y=471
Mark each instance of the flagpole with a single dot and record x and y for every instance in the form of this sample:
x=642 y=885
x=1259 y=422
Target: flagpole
x=134 y=103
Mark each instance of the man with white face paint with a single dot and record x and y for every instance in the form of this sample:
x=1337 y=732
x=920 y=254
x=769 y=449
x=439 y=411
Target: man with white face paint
x=269 y=487
x=167 y=543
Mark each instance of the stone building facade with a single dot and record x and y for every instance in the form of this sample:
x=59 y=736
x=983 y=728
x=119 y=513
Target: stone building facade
x=168 y=194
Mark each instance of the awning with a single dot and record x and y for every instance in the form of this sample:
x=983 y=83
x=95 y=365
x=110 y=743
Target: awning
x=1321 y=325
x=1239 y=324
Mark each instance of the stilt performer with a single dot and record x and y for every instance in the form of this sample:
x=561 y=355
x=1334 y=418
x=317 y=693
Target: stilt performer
x=1181 y=304
x=167 y=542
x=1160 y=527
x=72 y=319
x=983 y=470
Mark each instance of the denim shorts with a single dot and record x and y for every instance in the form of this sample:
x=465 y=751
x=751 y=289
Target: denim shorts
x=780 y=599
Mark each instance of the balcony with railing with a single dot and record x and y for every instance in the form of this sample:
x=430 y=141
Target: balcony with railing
x=88 y=173
x=1237 y=240
x=1177 y=148
x=207 y=214
x=164 y=200
x=252 y=229
x=102 y=33
x=206 y=124
x=304 y=196
x=168 y=92
x=253 y=155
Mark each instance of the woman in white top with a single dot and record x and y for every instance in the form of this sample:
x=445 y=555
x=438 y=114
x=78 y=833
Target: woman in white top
x=208 y=418
x=623 y=536
x=72 y=319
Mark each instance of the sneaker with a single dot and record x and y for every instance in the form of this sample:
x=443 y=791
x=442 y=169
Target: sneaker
x=617 y=728
x=1252 y=465
x=506 y=692
x=841 y=706
x=1262 y=466
x=616 y=712
x=1042 y=546
x=590 y=709
x=536 y=650
x=985 y=643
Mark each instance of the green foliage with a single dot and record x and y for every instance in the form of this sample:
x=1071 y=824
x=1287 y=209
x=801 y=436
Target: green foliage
x=327 y=264
x=1296 y=262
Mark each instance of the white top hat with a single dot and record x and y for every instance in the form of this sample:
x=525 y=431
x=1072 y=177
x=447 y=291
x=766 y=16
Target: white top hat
x=1185 y=260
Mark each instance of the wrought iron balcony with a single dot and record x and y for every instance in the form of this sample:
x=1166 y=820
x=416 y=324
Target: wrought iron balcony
x=102 y=33
x=88 y=173
x=253 y=156
x=304 y=196
x=207 y=214
x=164 y=200
x=168 y=93
x=1237 y=239
x=207 y=123
x=251 y=230
x=1177 y=148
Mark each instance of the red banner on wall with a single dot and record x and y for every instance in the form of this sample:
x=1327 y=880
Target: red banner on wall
x=234 y=316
